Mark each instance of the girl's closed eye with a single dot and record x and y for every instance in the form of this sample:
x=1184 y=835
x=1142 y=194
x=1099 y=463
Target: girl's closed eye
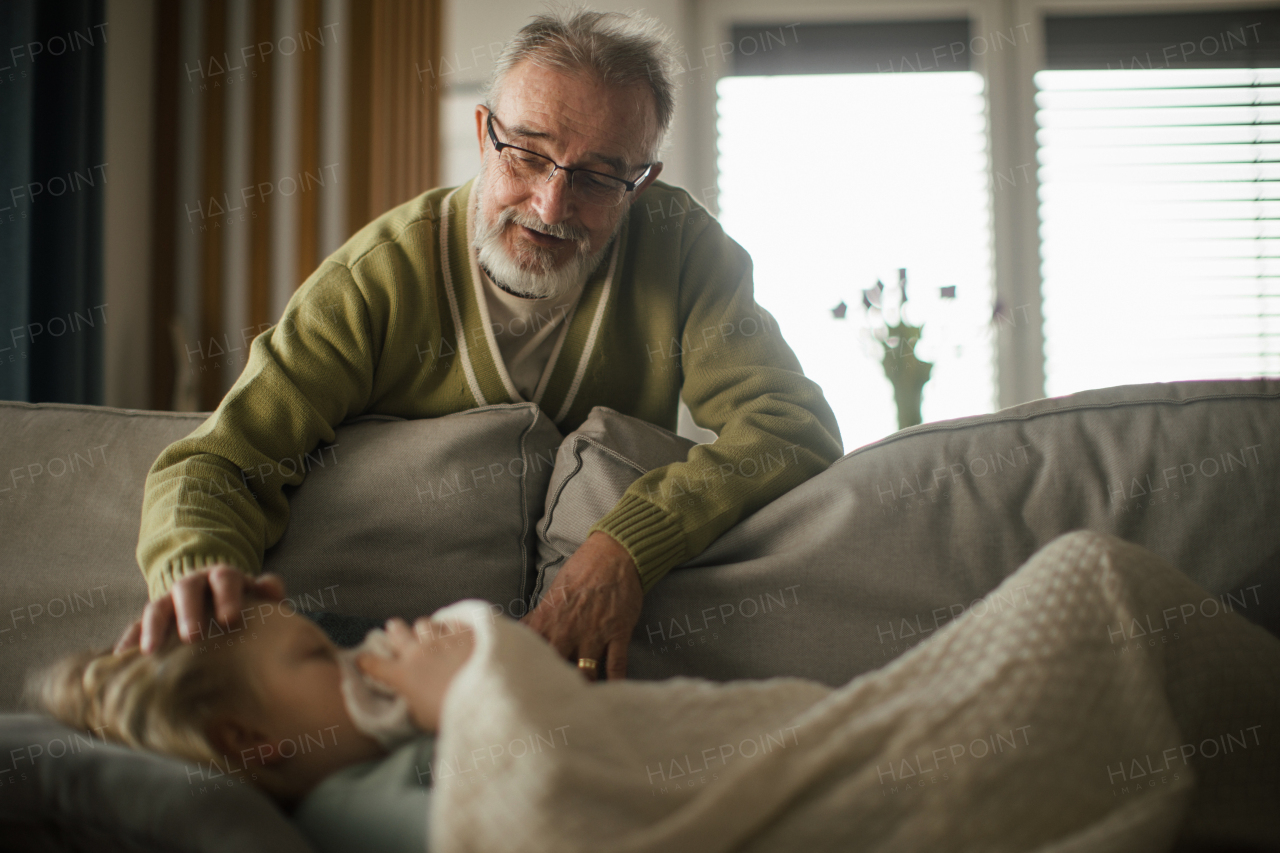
x=325 y=652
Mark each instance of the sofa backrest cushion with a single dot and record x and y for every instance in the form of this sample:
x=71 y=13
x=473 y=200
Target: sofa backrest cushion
x=402 y=517
x=853 y=567
x=595 y=465
x=412 y=515
x=71 y=482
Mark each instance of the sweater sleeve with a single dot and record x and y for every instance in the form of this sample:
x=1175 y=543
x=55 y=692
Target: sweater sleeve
x=741 y=380
x=218 y=494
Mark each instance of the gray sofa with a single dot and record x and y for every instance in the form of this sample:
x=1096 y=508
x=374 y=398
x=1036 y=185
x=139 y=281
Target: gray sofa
x=833 y=579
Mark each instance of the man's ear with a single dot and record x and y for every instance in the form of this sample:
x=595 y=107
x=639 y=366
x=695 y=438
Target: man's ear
x=481 y=115
x=649 y=179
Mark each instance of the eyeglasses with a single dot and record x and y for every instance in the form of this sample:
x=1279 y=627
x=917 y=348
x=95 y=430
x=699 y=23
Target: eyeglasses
x=586 y=185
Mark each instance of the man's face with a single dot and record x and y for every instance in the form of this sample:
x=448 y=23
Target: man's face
x=576 y=122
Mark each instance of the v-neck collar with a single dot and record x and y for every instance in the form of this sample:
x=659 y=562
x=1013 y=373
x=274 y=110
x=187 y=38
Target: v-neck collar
x=480 y=282
x=483 y=365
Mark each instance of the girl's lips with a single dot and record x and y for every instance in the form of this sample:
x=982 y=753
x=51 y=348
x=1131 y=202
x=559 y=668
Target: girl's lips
x=542 y=239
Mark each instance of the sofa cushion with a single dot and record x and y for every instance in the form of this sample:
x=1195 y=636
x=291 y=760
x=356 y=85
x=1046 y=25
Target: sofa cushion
x=408 y=516
x=896 y=539
x=71 y=482
x=594 y=466
x=401 y=518
x=64 y=790
x=853 y=567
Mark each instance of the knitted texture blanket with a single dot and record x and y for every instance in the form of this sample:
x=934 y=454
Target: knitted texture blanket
x=1101 y=701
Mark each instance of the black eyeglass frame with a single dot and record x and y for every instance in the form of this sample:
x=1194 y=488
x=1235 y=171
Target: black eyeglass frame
x=630 y=185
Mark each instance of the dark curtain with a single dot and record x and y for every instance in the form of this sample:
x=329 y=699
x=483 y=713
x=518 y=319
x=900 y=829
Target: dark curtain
x=52 y=185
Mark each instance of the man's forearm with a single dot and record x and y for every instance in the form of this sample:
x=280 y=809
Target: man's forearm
x=671 y=514
x=197 y=511
x=218 y=494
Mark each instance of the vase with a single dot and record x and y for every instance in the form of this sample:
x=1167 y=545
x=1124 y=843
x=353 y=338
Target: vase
x=908 y=375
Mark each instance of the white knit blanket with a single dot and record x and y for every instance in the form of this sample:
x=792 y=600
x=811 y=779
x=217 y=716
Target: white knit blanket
x=1101 y=702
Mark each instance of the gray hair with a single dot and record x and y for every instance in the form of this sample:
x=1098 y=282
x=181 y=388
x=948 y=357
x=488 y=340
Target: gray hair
x=620 y=49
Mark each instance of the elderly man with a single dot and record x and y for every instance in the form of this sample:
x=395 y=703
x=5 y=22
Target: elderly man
x=546 y=279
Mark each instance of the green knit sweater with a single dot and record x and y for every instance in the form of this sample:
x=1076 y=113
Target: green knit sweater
x=391 y=323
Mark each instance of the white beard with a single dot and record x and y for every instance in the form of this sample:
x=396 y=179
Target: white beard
x=531 y=273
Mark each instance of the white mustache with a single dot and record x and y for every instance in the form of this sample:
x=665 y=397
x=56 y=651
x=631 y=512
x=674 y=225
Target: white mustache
x=562 y=230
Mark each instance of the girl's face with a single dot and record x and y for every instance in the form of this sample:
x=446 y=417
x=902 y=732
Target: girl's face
x=302 y=731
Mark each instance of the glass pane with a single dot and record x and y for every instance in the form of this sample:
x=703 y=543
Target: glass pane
x=834 y=181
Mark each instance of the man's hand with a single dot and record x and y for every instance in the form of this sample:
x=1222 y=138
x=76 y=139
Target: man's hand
x=185 y=604
x=427 y=657
x=592 y=606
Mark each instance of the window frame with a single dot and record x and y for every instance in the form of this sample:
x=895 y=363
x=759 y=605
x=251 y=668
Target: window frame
x=1011 y=133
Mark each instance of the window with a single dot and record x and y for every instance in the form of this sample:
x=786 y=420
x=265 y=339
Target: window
x=832 y=181
x=1159 y=170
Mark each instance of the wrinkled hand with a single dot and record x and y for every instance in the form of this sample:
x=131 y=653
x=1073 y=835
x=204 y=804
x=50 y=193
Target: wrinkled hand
x=592 y=606
x=185 y=605
x=427 y=657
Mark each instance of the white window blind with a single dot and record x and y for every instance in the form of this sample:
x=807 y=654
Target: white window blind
x=1159 y=170
x=1160 y=224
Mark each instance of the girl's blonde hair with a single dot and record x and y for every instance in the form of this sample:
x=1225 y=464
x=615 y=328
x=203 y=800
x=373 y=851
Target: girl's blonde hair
x=164 y=701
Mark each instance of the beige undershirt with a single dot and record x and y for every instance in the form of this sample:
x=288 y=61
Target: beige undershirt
x=527 y=332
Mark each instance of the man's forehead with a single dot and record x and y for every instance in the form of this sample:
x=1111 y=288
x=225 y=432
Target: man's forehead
x=526 y=131
x=575 y=114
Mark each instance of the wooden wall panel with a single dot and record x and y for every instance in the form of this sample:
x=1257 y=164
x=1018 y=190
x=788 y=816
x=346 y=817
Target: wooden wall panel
x=359 y=115
x=211 y=283
x=392 y=142
x=263 y=125
x=402 y=130
x=308 y=198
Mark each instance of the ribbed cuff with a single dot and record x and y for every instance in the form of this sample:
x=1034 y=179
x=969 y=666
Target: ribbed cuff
x=651 y=535
x=163 y=578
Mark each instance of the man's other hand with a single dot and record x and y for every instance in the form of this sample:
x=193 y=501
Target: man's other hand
x=592 y=606
x=185 y=605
